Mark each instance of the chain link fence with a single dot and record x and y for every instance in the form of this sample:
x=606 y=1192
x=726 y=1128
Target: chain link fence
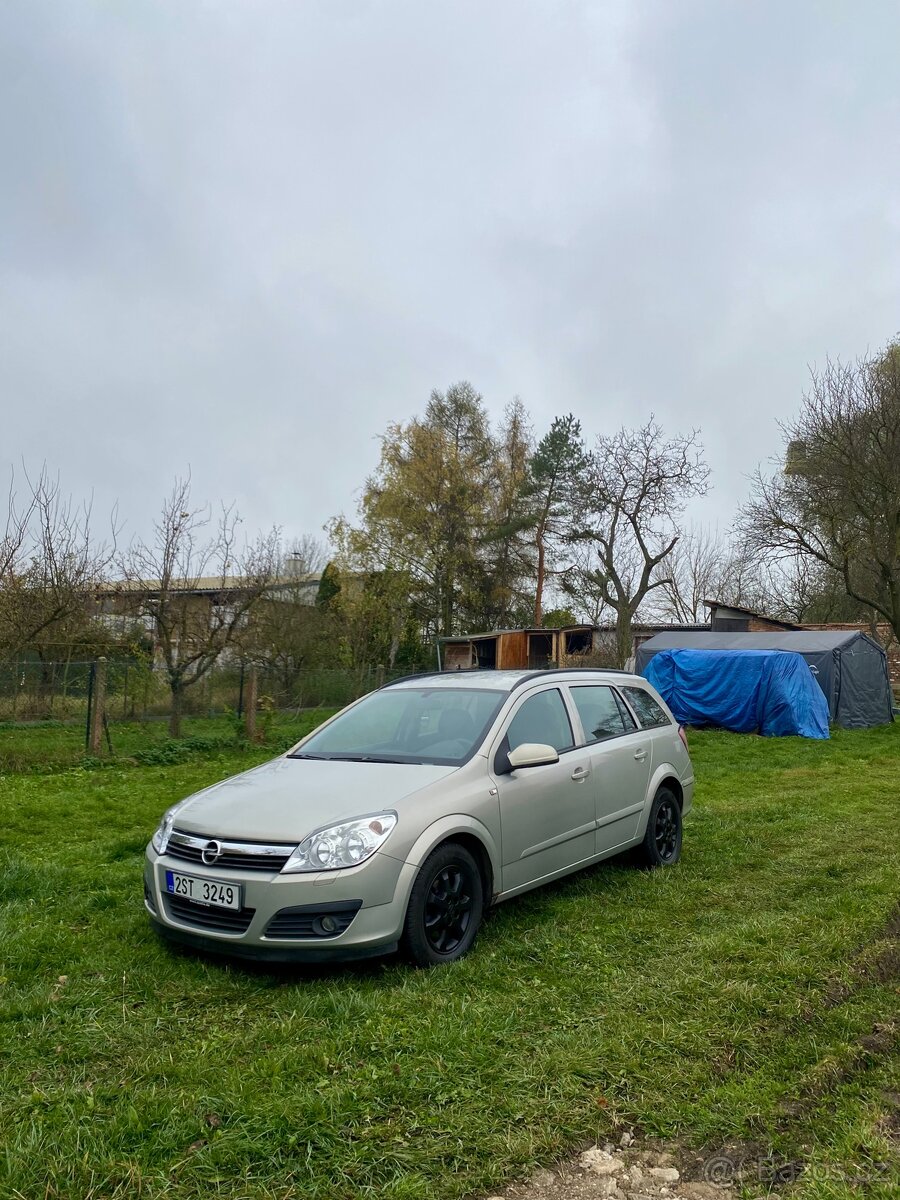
x=32 y=690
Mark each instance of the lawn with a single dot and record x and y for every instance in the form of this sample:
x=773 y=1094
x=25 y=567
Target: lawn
x=748 y=996
x=56 y=745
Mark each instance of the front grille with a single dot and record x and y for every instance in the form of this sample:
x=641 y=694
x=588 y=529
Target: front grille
x=305 y=920
x=223 y=920
x=148 y=898
x=241 y=856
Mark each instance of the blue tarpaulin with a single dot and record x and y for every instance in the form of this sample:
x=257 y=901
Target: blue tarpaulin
x=769 y=691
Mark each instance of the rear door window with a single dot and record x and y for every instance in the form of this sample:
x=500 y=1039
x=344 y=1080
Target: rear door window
x=603 y=715
x=649 y=713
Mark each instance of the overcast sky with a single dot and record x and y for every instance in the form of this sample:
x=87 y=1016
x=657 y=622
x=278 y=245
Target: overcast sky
x=242 y=236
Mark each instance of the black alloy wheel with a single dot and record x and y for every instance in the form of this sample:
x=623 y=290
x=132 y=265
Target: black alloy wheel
x=666 y=830
x=445 y=907
x=448 y=909
x=661 y=846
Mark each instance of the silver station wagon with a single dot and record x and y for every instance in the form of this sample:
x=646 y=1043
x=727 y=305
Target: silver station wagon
x=400 y=820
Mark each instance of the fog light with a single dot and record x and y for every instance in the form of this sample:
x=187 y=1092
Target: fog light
x=329 y=925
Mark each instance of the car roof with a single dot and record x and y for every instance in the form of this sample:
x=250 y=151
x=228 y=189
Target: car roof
x=507 y=681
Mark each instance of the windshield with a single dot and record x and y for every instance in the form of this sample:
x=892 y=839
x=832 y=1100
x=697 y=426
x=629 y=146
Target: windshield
x=408 y=725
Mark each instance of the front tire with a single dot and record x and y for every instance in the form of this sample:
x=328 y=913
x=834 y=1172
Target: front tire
x=661 y=846
x=445 y=907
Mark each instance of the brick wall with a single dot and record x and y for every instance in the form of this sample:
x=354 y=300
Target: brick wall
x=764 y=625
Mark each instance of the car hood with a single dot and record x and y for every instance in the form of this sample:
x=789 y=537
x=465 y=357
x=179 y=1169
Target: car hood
x=286 y=799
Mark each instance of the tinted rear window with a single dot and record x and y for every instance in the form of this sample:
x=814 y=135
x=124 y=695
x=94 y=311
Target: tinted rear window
x=648 y=711
x=602 y=713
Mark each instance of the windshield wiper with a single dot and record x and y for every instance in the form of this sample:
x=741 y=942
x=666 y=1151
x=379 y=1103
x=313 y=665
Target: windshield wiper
x=369 y=758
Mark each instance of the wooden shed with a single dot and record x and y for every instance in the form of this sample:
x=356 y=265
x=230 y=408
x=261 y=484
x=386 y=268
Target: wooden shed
x=517 y=649
x=502 y=649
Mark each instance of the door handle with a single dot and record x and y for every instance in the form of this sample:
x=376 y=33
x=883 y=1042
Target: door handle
x=640 y=755
x=580 y=773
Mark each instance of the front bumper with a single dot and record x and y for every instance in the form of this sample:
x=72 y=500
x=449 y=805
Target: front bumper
x=281 y=915
x=270 y=953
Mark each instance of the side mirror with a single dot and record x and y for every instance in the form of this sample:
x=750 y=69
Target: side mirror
x=532 y=754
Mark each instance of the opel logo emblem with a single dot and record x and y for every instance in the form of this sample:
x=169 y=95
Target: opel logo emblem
x=211 y=852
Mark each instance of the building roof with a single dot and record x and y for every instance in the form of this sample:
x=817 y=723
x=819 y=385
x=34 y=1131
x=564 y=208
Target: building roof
x=202 y=584
x=750 y=612
x=801 y=640
x=492 y=633
x=662 y=627
x=637 y=627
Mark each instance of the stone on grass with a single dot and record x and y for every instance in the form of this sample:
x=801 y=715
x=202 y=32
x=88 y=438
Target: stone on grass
x=661 y=1159
x=697 y=1190
x=664 y=1174
x=543 y=1178
x=600 y=1162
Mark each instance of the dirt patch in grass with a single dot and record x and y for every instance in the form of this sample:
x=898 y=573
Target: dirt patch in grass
x=876 y=961
x=637 y=1170
x=890 y=1122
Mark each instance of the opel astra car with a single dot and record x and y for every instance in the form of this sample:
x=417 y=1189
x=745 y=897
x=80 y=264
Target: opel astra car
x=401 y=819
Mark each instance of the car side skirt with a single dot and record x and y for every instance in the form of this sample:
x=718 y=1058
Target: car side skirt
x=569 y=870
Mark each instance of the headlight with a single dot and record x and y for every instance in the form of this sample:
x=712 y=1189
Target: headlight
x=344 y=845
x=160 y=839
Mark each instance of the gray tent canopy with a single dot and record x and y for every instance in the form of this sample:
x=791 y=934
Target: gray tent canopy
x=850 y=666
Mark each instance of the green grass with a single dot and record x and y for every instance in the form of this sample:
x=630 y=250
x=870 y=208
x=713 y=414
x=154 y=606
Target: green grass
x=732 y=999
x=44 y=746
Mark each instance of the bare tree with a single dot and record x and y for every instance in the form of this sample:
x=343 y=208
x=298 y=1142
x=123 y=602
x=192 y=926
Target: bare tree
x=578 y=583
x=195 y=586
x=707 y=566
x=14 y=532
x=49 y=568
x=634 y=491
x=835 y=502
x=286 y=631
x=696 y=571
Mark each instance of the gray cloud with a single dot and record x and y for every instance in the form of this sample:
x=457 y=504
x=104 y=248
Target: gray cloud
x=245 y=236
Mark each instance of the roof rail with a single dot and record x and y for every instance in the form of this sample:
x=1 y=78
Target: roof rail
x=418 y=675
x=568 y=671
x=518 y=683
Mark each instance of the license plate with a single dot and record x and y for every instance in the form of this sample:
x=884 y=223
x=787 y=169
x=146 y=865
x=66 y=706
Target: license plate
x=204 y=891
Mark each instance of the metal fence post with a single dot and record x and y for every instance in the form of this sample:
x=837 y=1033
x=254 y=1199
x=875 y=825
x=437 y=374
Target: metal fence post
x=90 y=705
x=98 y=706
x=250 y=705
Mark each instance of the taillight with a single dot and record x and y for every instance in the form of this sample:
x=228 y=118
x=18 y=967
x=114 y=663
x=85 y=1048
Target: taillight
x=683 y=736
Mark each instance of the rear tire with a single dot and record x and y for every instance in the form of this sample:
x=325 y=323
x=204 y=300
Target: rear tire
x=445 y=907
x=661 y=846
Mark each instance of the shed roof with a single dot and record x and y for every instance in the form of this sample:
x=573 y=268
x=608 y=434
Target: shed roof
x=771 y=639
x=712 y=605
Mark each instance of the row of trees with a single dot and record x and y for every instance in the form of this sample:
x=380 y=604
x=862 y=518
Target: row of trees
x=471 y=528
x=465 y=527
x=477 y=528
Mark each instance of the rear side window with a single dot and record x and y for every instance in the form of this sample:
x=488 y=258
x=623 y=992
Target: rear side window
x=542 y=718
x=649 y=712
x=603 y=715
